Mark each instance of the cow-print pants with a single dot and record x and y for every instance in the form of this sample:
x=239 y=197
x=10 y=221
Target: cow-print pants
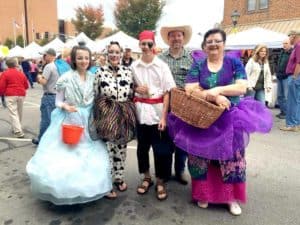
x=117 y=157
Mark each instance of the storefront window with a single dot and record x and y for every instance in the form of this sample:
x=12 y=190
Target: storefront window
x=263 y=4
x=251 y=5
x=254 y=5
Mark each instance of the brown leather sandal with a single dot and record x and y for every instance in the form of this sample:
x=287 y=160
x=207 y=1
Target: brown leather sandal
x=119 y=184
x=112 y=195
x=163 y=191
x=144 y=187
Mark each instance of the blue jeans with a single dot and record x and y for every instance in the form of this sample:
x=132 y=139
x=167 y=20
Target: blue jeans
x=282 y=92
x=258 y=95
x=292 y=118
x=180 y=160
x=47 y=106
x=29 y=78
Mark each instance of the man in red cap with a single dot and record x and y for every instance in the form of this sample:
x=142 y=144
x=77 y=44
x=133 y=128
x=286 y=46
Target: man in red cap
x=153 y=80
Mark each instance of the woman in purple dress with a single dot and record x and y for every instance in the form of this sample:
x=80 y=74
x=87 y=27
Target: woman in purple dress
x=217 y=155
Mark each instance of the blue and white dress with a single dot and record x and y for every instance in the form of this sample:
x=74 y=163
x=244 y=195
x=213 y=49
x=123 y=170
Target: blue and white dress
x=64 y=174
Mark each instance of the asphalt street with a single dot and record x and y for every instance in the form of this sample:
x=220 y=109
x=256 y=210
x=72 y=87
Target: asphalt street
x=273 y=186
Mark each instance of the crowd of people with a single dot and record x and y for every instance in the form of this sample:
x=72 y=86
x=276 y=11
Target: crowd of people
x=138 y=91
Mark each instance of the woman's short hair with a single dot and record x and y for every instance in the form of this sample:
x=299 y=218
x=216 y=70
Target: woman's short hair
x=11 y=62
x=73 y=56
x=114 y=43
x=215 y=31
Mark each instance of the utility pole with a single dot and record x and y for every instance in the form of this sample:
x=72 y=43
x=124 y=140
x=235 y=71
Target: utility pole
x=26 y=21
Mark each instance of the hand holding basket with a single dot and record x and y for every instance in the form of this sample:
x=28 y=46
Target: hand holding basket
x=194 y=111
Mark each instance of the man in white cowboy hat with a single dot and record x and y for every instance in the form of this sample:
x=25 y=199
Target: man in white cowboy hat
x=179 y=60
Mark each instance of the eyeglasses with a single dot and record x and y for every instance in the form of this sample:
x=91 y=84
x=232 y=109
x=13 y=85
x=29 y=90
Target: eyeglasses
x=150 y=44
x=211 y=42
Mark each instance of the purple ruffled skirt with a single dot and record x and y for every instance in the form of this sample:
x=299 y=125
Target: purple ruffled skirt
x=227 y=135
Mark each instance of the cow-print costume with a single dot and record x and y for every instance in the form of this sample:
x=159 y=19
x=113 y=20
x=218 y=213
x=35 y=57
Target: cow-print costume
x=117 y=83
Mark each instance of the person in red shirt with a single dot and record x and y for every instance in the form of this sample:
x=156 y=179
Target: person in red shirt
x=13 y=84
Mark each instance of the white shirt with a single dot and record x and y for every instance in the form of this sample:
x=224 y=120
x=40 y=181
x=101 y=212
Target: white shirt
x=158 y=77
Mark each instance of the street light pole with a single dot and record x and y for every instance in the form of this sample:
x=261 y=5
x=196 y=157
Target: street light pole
x=235 y=15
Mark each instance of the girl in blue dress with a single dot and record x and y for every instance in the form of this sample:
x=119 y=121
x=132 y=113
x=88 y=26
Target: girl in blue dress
x=70 y=174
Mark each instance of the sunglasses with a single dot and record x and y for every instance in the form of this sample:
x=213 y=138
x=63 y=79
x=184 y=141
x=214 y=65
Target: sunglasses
x=149 y=44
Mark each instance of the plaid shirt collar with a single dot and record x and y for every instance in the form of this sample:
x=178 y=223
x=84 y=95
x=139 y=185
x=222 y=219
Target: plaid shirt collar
x=185 y=53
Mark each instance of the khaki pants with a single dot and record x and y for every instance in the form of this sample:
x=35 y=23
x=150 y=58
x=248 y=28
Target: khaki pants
x=15 y=108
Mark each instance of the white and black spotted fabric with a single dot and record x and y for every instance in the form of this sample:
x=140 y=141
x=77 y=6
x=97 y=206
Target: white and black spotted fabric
x=117 y=83
x=114 y=82
x=117 y=156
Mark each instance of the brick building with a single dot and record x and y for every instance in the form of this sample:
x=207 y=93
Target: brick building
x=35 y=18
x=277 y=15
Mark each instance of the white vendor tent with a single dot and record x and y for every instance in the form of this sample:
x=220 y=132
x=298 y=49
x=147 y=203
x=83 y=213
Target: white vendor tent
x=71 y=43
x=16 y=51
x=248 y=39
x=56 y=44
x=124 y=40
x=32 y=51
x=83 y=38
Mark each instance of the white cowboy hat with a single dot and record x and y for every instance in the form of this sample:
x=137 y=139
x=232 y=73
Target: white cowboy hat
x=186 y=29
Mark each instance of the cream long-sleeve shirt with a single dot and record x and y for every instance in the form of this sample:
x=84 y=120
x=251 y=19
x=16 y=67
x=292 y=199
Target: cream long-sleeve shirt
x=253 y=70
x=159 y=79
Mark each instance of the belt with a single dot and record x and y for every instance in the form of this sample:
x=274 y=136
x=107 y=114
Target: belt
x=47 y=93
x=149 y=100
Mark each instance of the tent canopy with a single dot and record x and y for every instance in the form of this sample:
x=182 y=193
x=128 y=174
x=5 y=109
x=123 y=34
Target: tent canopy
x=16 y=51
x=124 y=40
x=82 y=37
x=56 y=44
x=248 y=39
x=32 y=51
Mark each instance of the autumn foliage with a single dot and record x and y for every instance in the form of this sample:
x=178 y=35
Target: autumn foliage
x=89 y=20
x=134 y=16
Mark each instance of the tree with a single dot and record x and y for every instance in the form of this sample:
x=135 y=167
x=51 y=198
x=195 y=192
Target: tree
x=20 y=40
x=9 y=43
x=134 y=16
x=45 y=41
x=89 y=20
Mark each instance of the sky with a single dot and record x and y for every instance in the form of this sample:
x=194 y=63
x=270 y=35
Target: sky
x=200 y=14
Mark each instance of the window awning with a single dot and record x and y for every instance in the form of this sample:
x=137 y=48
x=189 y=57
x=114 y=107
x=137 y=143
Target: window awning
x=283 y=26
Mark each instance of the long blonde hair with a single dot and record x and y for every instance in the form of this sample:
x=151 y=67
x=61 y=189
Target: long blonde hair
x=256 y=53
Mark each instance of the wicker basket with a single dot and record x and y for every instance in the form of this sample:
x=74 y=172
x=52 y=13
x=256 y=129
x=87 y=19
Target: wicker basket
x=194 y=111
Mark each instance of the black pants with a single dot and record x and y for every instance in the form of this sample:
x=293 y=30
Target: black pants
x=149 y=136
